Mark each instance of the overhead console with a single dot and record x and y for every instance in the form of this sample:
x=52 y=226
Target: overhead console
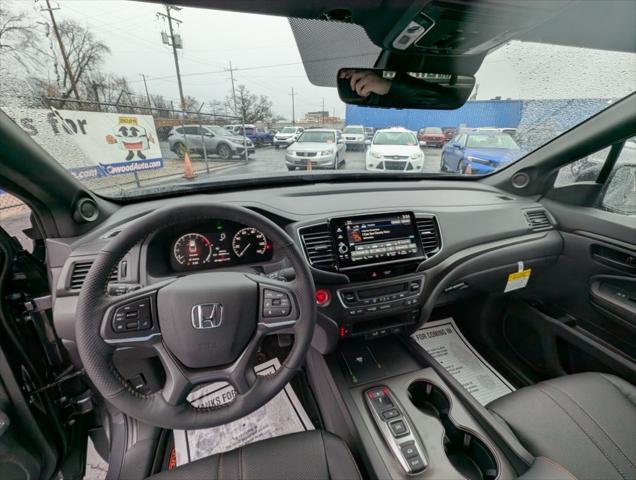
x=454 y=27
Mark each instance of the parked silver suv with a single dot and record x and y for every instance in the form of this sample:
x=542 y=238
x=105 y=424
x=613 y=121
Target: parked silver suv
x=322 y=148
x=217 y=140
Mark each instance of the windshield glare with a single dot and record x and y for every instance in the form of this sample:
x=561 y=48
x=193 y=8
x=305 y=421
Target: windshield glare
x=394 y=138
x=317 y=137
x=491 y=141
x=143 y=96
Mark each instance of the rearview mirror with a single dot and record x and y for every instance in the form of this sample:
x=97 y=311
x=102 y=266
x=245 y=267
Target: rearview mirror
x=394 y=89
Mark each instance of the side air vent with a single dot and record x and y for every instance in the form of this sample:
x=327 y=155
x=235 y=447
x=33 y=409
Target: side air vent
x=538 y=220
x=80 y=270
x=429 y=235
x=318 y=246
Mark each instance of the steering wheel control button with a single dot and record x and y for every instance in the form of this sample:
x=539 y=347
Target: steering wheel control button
x=132 y=316
x=398 y=428
x=275 y=304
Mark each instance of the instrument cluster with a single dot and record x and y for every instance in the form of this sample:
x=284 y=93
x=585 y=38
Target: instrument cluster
x=218 y=244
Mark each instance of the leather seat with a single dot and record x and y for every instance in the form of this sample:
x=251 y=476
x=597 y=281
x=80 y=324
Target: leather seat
x=313 y=455
x=585 y=422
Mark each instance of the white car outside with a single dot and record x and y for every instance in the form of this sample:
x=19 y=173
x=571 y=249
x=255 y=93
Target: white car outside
x=394 y=149
x=354 y=137
x=287 y=136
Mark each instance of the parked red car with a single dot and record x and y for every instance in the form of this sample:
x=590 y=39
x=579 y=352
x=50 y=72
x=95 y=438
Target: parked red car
x=432 y=137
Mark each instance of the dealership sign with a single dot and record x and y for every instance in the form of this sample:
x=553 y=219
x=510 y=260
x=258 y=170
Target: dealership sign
x=93 y=144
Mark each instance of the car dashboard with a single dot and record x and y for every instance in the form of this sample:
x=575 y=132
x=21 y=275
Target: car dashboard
x=383 y=255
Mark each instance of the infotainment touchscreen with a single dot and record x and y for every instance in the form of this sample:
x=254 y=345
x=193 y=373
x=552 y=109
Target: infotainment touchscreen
x=372 y=239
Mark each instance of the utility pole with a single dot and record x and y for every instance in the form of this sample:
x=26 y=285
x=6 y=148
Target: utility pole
x=242 y=114
x=147 y=94
x=171 y=19
x=95 y=86
x=67 y=64
x=233 y=91
x=322 y=113
x=293 y=107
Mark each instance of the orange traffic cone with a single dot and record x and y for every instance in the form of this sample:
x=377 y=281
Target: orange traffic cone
x=188 y=171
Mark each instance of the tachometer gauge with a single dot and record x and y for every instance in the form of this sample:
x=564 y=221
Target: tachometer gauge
x=249 y=240
x=192 y=249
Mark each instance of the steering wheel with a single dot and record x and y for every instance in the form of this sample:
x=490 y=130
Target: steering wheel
x=205 y=327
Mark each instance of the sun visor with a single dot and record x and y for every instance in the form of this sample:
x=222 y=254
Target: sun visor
x=326 y=47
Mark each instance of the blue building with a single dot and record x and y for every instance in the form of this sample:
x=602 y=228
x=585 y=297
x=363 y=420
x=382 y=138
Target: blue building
x=555 y=116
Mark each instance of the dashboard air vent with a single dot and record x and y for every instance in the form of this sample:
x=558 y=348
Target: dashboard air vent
x=318 y=246
x=538 y=220
x=80 y=270
x=429 y=235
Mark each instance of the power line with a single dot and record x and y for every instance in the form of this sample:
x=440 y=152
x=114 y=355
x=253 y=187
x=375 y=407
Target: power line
x=261 y=67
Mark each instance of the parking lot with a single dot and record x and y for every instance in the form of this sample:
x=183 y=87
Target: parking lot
x=267 y=160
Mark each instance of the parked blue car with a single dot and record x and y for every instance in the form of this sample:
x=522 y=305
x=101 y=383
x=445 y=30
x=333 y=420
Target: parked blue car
x=479 y=152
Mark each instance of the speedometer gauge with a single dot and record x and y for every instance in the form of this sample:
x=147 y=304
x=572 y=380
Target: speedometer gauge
x=192 y=249
x=248 y=241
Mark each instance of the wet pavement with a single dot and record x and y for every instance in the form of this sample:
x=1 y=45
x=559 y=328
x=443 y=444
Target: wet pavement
x=268 y=160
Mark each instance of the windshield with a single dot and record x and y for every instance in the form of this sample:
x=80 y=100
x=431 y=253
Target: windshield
x=139 y=71
x=318 y=137
x=394 y=138
x=491 y=141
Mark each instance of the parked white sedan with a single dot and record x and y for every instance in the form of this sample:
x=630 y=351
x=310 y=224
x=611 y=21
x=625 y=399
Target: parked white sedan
x=395 y=149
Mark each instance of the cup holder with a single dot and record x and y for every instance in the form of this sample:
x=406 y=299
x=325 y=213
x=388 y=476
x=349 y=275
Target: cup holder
x=468 y=454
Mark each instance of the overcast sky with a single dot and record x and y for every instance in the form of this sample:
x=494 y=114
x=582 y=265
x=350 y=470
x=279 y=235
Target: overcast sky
x=212 y=39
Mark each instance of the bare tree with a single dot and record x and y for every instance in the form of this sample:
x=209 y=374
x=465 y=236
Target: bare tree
x=249 y=106
x=85 y=55
x=161 y=105
x=19 y=39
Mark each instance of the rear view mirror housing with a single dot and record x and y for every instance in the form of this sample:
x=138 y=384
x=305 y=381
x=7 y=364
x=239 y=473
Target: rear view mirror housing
x=396 y=89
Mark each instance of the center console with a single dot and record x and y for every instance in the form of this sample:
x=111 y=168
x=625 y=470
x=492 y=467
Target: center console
x=378 y=255
x=408 y=423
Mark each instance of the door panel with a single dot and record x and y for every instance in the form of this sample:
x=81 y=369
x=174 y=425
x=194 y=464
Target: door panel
x=584 y=312
x=586 y=290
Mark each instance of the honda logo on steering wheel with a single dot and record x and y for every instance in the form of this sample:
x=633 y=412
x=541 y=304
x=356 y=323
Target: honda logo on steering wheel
x=207 y=315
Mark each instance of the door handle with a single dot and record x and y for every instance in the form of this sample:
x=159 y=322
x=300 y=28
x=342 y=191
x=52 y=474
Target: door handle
x=614 y=258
